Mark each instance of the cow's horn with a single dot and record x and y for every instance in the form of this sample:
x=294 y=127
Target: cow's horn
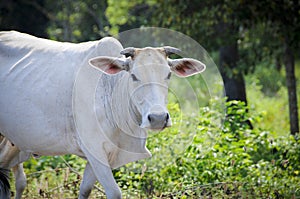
x=128 y=52
x=171 y=50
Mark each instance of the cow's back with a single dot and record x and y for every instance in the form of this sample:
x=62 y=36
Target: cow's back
x=36 y=84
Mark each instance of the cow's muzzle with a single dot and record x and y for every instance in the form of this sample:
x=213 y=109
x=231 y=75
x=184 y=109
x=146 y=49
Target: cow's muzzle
x=157 y=121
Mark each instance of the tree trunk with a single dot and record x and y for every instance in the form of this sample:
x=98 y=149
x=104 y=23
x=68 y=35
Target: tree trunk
x=289 y=63
x=278 y=65
x=233 y=79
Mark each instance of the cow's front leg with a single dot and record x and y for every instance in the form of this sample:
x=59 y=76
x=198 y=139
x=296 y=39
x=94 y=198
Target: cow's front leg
x=20 y=180
x=105 y=176
x=88 y=182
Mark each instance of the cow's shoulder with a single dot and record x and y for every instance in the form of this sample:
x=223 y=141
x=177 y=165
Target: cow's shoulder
x=109 y=46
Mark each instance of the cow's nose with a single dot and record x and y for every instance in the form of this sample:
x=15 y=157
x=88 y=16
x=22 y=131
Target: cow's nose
x=158 y=120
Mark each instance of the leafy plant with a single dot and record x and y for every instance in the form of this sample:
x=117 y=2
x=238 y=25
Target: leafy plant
x=195 y=159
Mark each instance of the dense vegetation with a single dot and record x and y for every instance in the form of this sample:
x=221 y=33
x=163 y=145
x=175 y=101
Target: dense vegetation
x=242 y=163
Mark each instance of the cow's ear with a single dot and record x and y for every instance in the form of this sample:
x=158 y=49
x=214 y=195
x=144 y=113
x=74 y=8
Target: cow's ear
x=186 y=66
x=109 y=65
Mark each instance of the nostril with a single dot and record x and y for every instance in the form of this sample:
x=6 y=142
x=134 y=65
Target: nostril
x=164 y=117
x=159 y=120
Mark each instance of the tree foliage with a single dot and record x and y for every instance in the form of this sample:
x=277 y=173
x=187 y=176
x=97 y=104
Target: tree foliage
x=63 y=20
x=125 y=15
x=23 y=16
x=76 y=20
x=245 y=32
x=286 y=29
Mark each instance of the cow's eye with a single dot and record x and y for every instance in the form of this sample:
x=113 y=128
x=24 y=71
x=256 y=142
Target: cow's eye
x=169 y=76
x=134 y=78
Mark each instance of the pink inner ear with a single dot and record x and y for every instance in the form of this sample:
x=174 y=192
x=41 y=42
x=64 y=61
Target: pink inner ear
x=181 y=70
x=184 y=69
x=112 y=69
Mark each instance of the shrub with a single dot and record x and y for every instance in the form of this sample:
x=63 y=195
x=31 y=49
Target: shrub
x=242 y=162
x=196 y=158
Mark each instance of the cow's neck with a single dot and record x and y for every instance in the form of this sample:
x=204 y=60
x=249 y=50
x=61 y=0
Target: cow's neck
x=131 y=139
x=129 y=118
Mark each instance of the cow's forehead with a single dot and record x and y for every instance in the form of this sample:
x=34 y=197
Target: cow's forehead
x=158 y=50
x=150 y=64
x=150 y=56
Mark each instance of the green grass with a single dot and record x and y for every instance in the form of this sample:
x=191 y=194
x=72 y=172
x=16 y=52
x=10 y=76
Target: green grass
x=274 y=109
x=267 y=93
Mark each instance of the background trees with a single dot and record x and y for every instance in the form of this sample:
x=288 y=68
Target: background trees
x=283 y=18
x=23 y=16
x=244 y=33
x=64 y=20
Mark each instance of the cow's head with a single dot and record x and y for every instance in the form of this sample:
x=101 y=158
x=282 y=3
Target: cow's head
x=149 y=71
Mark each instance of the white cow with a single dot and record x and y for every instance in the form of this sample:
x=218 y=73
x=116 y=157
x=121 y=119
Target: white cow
x=37 y=79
